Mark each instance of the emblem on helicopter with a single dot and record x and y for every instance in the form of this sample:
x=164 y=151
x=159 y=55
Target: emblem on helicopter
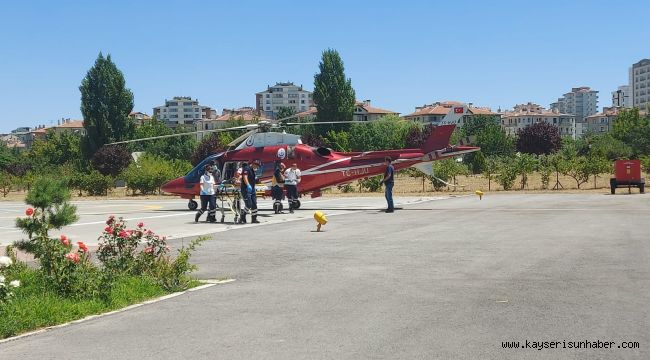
x=250 y=140
x=282 y=153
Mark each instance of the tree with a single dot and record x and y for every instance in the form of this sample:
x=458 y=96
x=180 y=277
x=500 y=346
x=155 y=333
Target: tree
x=634 y=130
x=446 y=170
x=105 y=105
x=608 y=147
x=540 y=138
x=507 y=172
x=333 y=93
x=489 y=136
x=490 y=168
x=209 y=145
x=179 y=147
x=285 y=112
x=417 y=135
x=578 y=169
x=525 y=164
x=56 y=149
x=111 y=159
x=596 y=166
x=544 y=167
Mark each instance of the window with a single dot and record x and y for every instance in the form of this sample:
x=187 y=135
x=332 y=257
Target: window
x=602 y=129
x=188 y=116
x=196 y=110
x=268 y=108
x=292 y=101
x=302 y=95
x=173 y=110
x=172 y=103
x=173 y=116
x=268 y=101
x=268 y=95
x=302 y=101
x=292 y=96
x=187 y=109
x=277 y=95
x=187 y=103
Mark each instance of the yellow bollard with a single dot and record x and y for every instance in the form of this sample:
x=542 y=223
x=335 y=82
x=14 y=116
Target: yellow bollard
x=320 y=219
x=480 y=194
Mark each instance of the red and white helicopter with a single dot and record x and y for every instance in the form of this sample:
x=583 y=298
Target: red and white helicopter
x=321 y=167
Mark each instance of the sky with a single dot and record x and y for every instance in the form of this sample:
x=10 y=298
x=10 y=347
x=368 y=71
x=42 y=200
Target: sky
x=399 y=54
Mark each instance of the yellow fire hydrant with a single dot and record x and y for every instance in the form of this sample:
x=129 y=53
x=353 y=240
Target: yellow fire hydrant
x=480 y=194
x=320 y=219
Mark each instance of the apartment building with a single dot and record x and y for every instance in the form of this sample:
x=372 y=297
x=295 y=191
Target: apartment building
x=603 y=121
x=580 y=101
x=640 y=84
x=363 y=111
x=182 y=111
x=246 y=114
x=283 y=95
x=622 y=97
x=527 y=114
x=448 y=112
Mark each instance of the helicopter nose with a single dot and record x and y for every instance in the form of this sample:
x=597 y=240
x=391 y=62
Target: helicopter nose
x=173 y=185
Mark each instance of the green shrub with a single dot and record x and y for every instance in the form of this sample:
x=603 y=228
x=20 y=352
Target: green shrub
x=372 y=184
x=149 y=173
x=507 y=173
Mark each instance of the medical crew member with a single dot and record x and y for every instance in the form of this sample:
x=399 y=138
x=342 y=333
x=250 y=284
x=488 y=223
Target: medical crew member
x=389 y=181
x=277 y=186
x=207 y=195
x=291 y=181
x=248 y=191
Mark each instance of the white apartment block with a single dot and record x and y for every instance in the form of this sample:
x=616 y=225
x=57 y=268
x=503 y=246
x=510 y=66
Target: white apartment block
x=448 y=112
x=182 y=111
x=363 y=111
x=528 y=114
x=581 y=102
x=640 y=84
x=622 y=97
x=283 y=95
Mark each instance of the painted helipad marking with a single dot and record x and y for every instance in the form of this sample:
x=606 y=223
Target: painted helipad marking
x=208 y=283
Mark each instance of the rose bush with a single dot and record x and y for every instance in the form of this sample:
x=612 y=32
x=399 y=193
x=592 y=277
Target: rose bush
x=6 y=287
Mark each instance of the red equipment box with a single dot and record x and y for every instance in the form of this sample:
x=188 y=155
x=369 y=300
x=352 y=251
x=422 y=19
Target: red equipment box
x=627 y=170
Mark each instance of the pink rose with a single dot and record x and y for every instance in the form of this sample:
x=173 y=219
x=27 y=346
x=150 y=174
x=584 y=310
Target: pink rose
x=123 y=234
x=141 y=225
x=82 y=246
x=29 y=212
x=108 y=229
x=65 y=241
x=73 y=257
x=148 y=250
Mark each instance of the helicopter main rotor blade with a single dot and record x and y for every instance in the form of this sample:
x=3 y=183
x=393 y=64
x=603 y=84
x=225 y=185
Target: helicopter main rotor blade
x=326 y=122
x=236 y=128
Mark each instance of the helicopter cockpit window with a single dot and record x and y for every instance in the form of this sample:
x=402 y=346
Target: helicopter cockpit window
x=291 y=152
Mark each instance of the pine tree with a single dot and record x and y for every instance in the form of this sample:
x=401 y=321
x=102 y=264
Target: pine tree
x=333 y=93
x=105 y=105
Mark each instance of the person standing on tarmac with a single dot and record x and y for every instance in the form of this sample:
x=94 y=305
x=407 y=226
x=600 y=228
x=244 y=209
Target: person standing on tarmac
x=291 y=181
x=248 y=191
x=389 y=181
x=207 y=195
x=216 y=172
x=277 y=186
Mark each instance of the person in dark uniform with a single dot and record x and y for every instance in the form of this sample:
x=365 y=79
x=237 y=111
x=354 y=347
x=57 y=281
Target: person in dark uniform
x=216 y=172
x=277 y=186
x=389 y=181
x=248 y=191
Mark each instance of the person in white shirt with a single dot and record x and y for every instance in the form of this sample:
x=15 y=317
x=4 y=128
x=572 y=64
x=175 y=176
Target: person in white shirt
x=291 y=181
x=208 y=196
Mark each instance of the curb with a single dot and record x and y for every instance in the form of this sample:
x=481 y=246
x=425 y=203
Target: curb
x=206 y=284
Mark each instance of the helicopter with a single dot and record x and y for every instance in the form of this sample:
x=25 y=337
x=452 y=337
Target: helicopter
x=321 y=167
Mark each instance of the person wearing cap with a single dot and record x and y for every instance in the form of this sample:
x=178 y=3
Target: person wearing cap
x=277 y=186
x=207 y=195
x=291 y=181
x=389 y=181
x=248 y=191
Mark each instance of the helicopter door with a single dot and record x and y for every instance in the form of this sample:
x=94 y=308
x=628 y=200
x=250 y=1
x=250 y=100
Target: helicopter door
x=230 y=172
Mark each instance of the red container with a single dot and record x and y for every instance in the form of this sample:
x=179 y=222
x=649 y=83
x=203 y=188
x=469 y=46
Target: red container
x=627 y=170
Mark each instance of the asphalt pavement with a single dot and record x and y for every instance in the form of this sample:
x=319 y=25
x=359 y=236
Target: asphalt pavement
x=442 y=279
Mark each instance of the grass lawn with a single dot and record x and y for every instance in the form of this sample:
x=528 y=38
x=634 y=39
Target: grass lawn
x=35 y=304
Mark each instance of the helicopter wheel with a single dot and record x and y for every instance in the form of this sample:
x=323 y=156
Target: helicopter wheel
x=296 y=204
x=192 y=205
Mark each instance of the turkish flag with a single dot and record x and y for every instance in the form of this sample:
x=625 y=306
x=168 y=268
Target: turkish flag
x=458 y=110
